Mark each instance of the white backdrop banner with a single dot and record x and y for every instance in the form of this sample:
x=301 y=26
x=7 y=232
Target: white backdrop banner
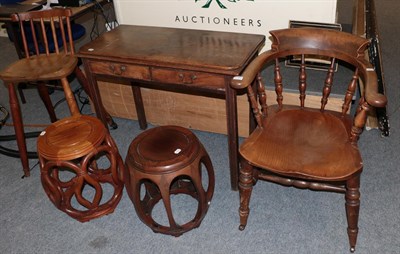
x=244 y=16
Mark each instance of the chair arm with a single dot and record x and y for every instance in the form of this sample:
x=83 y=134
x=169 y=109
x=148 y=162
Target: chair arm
x=370 y=80
x=251 y=71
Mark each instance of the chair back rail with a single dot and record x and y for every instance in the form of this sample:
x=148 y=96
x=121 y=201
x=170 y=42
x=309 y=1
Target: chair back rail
x=44 y=26
x=341 y=47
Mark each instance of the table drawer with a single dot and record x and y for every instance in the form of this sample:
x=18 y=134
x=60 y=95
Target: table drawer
x=200 y=79
x=121 y=70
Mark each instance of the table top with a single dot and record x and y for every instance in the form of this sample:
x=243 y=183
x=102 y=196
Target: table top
x=220 y=52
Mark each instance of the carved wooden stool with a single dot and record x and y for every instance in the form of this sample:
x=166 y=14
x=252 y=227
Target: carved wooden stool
x=168 y=160
x=79 y=163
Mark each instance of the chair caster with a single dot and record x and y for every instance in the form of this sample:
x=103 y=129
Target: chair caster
x=352 y=249
x=242 y=227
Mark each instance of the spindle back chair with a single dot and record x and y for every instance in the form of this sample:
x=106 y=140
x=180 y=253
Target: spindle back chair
x=42 y=64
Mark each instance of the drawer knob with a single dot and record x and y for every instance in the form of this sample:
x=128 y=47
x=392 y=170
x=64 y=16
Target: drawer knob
x=187 y=80
x=117 y=71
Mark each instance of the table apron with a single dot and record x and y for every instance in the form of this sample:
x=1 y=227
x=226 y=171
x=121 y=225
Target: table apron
x=161 y=78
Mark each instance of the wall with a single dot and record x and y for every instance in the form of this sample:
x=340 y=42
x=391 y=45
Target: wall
x=345 y=11
x=246 y=16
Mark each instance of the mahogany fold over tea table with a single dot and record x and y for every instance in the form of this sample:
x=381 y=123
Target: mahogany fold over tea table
x=179 y=60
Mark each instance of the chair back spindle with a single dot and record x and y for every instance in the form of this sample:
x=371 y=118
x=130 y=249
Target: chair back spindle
x=262 y=96
x=326 y=91
x=359 y=120
x=302 y=81
x=253 y=103
x=350 y=92
x=53 y=29
x=278 y=83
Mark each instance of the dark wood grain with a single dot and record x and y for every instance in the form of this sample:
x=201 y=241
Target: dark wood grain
x=166 y=161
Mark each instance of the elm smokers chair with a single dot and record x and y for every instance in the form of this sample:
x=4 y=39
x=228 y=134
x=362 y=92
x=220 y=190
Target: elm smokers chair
x=303 y=147
x=43 y=64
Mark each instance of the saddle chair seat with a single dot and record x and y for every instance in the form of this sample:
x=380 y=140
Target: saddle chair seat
x=40 y=68
x=305 y=135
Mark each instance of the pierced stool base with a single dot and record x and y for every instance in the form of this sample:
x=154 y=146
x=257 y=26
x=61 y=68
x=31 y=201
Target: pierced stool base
x=79 y=164
x=166 y=161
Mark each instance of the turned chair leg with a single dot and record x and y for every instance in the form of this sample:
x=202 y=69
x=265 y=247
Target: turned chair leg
x=245 y=189
x=352 y=209
x=18 y=127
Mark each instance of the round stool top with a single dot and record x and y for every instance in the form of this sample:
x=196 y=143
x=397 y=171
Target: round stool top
x=71 y=138
x=163 y=149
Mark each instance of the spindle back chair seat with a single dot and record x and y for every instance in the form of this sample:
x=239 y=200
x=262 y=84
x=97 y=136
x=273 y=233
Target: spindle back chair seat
x=14 y=34
x=294 y=145
x=42 y=63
